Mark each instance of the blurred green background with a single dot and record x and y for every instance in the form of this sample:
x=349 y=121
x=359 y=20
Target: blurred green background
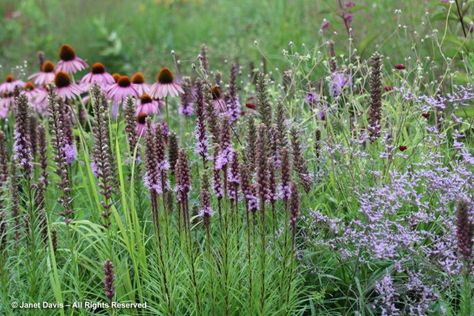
x=139 y=35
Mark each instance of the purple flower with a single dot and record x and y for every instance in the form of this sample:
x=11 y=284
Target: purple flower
x=69 y=62
x=339 y=81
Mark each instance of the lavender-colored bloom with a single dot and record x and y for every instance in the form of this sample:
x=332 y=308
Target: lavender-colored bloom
x=233 y=103
x=312 y=99
x=285 y=185
x=200 y=130
x=69 y=62
x=226 y=152
x=233 y=179
x=22 y=144
x=183 y=177
x=324 y=25
x=339 y=81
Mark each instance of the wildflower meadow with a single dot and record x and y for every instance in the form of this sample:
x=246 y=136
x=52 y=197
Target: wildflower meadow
x=237 y=158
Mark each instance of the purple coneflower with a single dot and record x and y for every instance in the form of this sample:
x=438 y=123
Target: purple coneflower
x=141 y=125
x=65 y=87
x=119 y=91
x=5 y=103
x=165 y=85
x=138 y=82
x=147 y=105
x=10 y=84
x=99 y=76
x=38 y=98
x=45 y=76
x=69 y=62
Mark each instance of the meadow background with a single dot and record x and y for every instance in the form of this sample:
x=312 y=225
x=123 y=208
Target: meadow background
x=378 y=136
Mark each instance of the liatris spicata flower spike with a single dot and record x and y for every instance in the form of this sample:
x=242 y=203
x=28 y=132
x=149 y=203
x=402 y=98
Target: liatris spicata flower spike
x=272 y=185
x=102 y=157
x=22 y=146
x=317 y=143
x=59 y=143
x=250 y=146
x=217 y=182
x=211 y=117
x=233 y=179
x=15 y=200
x=183 y=177
x=200 y=130
x=130 y=127
x=3 y=230
x=233 y=111
x=206 y=210
x=274 y=146
x=294 y=207
x=3 y=181
x=464 y=231
x=33 y=125
x=69 y=62
x=186 y=103
x=203 y=59
x=162 y=162
x=3 y=159
x=42 y=180
x=375 y=111
x=332 y=56
x=263 y=104
x=67 y=122
x=109 y=278
x=299 y=162
x=226 y=152
x=261 y=158
x=152 y=179
x=173 y=149
x=285 y=186
x=281 y=128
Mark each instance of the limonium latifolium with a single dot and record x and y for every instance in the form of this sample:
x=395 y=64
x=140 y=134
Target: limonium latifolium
x=22 y=146
x=109 y=278
x=165 y=85
x=99 y=76
x=102 y=155
x=69 y=62
x=375 y=110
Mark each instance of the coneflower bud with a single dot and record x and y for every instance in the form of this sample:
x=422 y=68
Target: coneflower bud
x=332 y=56
x=22 y=146
x=294 y=207
x=130 y=127
x=464 y=231
x=102 y=155
x=299 y=162
x=109 y=280
x=375 y=111
x=263 y=104
x=173 y=149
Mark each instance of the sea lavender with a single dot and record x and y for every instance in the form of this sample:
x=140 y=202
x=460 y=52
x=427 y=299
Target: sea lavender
x=173 y=150
x=109 y=277
x=375 y=111
x=464 y=231
x=102 y=156
x=59 y=143
x=22 y=146
x=299 y=162
x=263 y=104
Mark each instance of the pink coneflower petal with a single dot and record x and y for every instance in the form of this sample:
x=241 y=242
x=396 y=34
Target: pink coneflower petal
x=99 y=76
x=10 y=84
x=45 y=76
x=65 y=88
x=165 y=85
